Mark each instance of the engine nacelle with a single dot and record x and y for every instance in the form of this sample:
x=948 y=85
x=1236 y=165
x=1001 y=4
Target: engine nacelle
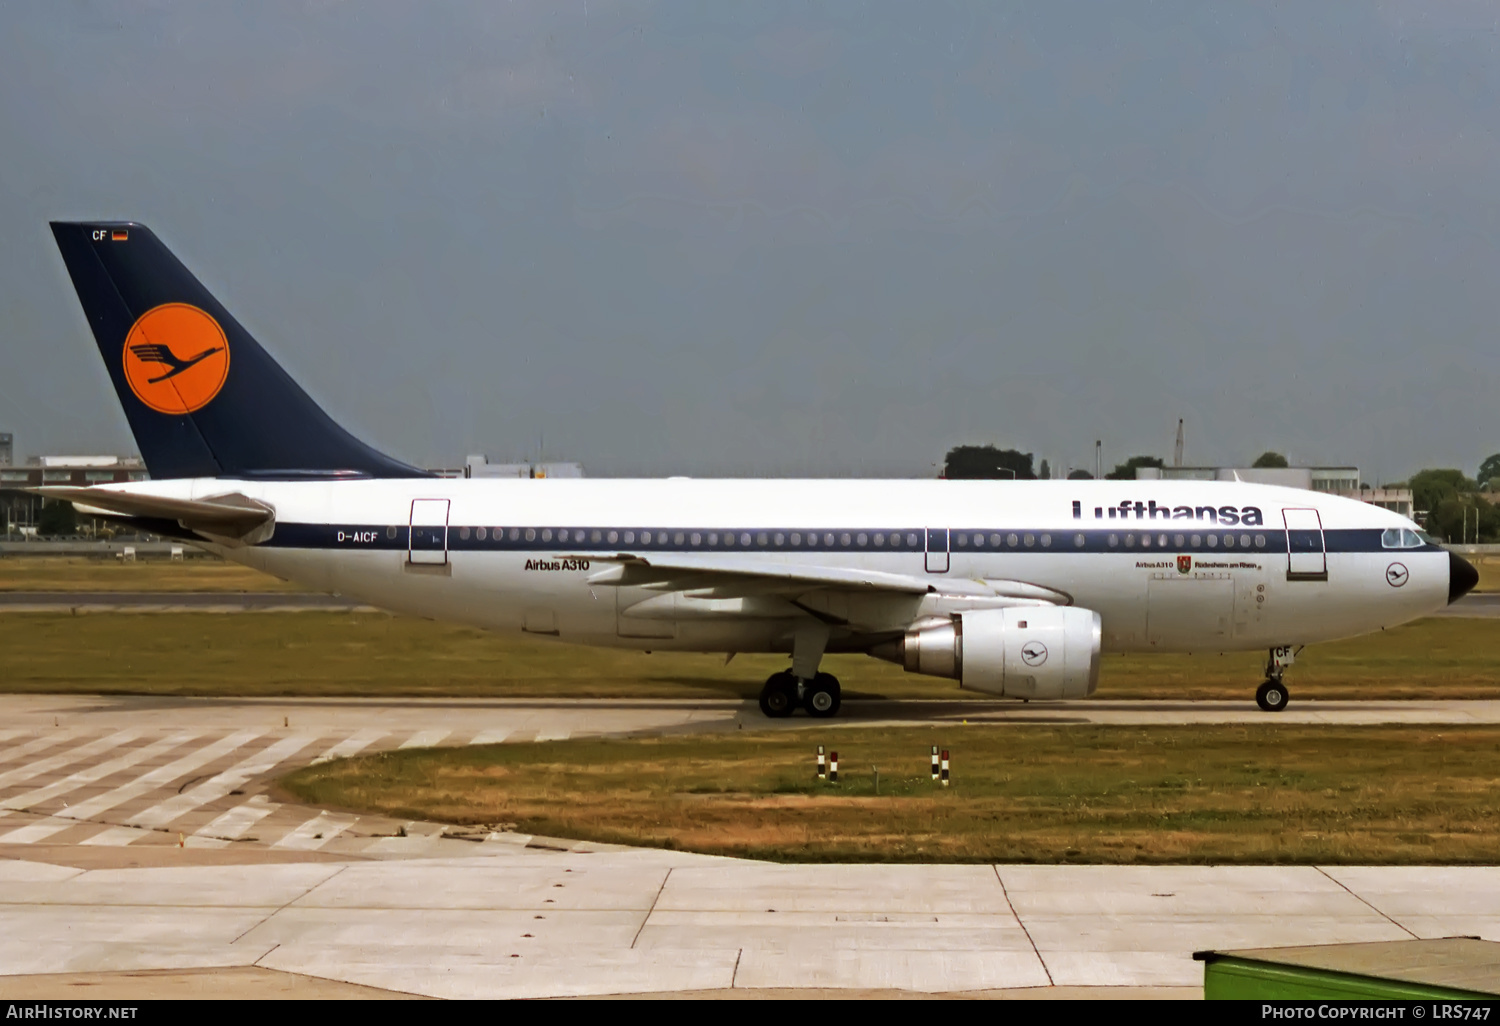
x=1044 y=652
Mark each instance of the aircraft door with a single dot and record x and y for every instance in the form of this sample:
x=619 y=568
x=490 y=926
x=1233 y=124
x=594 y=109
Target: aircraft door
x=1306 y=551
x=428 y=540
x=937 y=550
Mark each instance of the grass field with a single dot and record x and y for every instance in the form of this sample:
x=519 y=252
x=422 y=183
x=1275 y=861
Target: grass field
x=316 y=653
x=1262 y=794
x=1489 y=572
x=75 y=573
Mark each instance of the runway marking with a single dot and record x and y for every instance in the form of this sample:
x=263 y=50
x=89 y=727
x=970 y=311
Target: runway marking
x=86 y=751
x=236 y=823
x=553 y=735
x=491 y=737
x=425 y=738
x=220 y=784
x=315 y=833
x=116 y=837
x=351 y=745
x=40 y=744
x=143 y=784
x=98 y=771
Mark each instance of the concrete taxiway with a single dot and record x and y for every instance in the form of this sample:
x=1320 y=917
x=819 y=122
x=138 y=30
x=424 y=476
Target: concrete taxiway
x=531 y=924
x=143 y=853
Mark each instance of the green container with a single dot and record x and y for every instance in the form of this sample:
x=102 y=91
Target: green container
x=1451 y=968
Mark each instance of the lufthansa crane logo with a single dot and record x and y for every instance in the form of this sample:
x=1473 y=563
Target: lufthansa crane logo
x=176 y=358
x=1033 y=653
x=1396 y=575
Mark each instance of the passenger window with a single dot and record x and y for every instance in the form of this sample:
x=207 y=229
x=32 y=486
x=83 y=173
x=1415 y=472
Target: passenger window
x=1177 y=540
x=1046 y=541
x=629 y=537
x=879 y=540
x=463 y=533
x=677 y=538
x=796 y=538
x=1244 y=541
x=962 y=539
x=1213 y=541
x=1011 y=540
x=760 y=539
x=481 y=534
x=1197 y=541
x=911 y=540
x=861 y=539
x=1145 y=541
x=828 y=540
x=596 y=537
x=1029 y=540
x=844 y=539
x=979 y=541
x=531 y=534
x=713 y=538
x=1229 y=541
x=1114 y=541
x=390 y=532
x=780 y=538
x=697 y=539
x=1130 y=541
x=995 y=540
x=1260 y=541
x=1078 y=540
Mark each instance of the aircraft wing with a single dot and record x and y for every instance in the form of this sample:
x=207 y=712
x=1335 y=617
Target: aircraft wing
x=727 y=578
x=233 y=517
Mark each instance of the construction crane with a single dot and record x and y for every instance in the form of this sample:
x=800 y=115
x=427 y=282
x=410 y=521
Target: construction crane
x=1177 y=452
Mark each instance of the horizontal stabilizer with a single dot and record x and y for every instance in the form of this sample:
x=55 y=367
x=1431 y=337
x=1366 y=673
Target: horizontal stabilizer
x=231 y=517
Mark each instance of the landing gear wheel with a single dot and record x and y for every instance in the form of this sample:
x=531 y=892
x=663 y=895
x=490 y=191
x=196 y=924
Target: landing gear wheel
x=778 y=699
x=824 y=696
x=1271 y=696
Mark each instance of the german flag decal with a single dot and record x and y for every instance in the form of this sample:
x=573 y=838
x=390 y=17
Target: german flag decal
x=119 y=235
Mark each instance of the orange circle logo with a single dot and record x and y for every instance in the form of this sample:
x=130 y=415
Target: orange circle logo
x=176 y=358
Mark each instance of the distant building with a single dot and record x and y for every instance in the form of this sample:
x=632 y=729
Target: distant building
x=7 y=448
x=1333 y=480
x=73 y=470
x=479 y=465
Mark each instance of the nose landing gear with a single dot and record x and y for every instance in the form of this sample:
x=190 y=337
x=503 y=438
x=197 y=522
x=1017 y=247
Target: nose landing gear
x=1272 y=695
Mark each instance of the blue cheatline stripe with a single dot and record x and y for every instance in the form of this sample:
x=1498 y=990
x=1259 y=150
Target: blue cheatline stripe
x=1051 y=541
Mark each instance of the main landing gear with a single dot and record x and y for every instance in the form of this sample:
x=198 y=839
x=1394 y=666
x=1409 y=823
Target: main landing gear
x=784 y=693
x=1272 y=695
x=803 y=685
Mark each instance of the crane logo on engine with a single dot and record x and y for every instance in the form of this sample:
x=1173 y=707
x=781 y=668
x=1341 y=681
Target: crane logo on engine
x=1033 y=653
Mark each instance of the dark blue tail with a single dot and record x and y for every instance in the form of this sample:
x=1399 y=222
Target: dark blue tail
x=202 y=397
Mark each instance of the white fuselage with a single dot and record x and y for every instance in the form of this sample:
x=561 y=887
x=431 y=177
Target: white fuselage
x=1206 y=570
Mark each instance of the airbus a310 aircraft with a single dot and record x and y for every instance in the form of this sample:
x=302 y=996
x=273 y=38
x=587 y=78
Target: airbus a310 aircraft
x=1010 y=587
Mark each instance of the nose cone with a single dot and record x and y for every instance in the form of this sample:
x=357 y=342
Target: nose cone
x=1461 y=577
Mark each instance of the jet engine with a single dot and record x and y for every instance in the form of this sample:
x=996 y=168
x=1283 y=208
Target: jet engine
x=1044 y=652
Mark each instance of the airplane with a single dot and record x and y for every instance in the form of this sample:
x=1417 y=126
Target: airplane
x=1012 y=588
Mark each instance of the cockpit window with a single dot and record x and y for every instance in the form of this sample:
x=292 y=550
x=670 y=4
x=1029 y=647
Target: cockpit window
x=1403 y=538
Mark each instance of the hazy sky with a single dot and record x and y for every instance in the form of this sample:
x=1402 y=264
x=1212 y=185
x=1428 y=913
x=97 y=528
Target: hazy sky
x=772 y=239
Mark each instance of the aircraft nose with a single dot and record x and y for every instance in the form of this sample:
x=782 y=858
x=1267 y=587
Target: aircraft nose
x=1461 y=577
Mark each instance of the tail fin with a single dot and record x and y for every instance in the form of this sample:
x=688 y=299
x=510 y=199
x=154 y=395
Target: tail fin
x=202 y=397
